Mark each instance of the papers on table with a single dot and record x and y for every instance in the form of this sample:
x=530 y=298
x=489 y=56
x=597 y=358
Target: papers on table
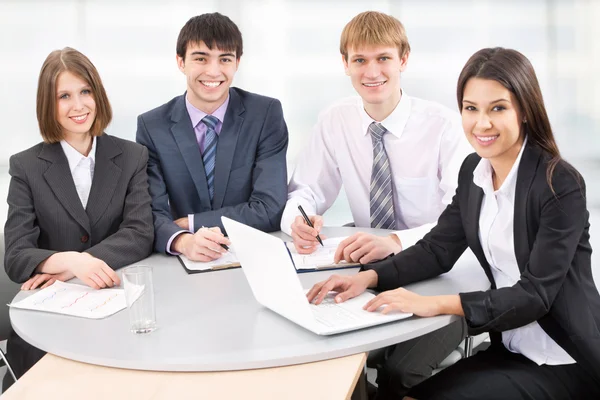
x=322 y=258
x=76 y=300
x=227 y=260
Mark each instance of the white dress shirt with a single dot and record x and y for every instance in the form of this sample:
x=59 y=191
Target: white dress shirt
x=496 y=234
x=82 y=169
x=425 y=144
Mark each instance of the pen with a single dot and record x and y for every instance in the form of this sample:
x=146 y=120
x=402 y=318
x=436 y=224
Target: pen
x=307 y=220
x=220 y=244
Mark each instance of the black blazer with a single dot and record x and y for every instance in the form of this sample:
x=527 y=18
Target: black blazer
x=553 y=253
x=250 y=166
x=45 y=214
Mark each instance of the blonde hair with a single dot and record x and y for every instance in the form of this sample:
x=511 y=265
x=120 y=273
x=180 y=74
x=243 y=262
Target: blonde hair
x=372 y=28
x=71 y=60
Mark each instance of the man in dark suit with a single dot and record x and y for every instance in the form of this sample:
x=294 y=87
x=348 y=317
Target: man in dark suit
x=215 y=150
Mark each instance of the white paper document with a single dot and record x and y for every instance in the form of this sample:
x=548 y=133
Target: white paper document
x=227 y=260
x=76 y=300
x=321 y=258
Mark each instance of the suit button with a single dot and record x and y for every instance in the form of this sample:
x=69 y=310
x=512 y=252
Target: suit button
x=85 y=238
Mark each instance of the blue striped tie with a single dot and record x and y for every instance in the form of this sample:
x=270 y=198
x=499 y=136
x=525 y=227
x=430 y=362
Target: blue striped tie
x=382 y=203
x=210 y=151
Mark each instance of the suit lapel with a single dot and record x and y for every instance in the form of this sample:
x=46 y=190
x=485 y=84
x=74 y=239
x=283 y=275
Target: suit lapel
x=525 y=174
x=106 y=176
x=226 y=145
x=59 y=179
x=185 y=137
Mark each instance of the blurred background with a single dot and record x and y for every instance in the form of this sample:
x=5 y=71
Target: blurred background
x=291 y=52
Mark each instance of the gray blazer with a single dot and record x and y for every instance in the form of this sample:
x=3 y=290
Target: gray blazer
x=250 y=170
x=45 y=214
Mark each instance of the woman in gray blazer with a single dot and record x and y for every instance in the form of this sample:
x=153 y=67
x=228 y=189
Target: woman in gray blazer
x=78 y=202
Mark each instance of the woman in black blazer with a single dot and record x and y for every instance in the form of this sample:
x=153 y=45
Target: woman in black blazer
x=78 y=202
x=521 y=209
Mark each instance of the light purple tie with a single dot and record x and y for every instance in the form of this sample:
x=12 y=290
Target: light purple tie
x=210 y=151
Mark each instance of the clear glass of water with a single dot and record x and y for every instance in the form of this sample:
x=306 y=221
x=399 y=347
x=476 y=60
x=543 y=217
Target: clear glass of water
x=139 y=294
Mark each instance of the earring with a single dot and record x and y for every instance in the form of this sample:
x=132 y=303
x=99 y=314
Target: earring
x=524 y=120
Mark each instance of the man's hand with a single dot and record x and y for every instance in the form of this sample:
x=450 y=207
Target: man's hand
x=364 y=248
x=46 y=280
x=305 y=237
x=204 y=245
x=183 y=223
x=347 y=286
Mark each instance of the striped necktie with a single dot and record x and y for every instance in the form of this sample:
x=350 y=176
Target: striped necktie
x=210 y=151
x=382 y=204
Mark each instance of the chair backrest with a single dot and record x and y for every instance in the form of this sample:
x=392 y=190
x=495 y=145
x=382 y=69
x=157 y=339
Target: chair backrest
x=8 y=290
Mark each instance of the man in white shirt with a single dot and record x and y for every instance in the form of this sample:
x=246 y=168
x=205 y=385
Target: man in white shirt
x=398 y=158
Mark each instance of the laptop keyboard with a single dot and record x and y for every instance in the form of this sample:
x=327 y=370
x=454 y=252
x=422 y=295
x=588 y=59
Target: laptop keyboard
x=331 y=314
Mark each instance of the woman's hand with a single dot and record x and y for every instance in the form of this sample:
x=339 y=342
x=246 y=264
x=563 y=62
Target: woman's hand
x=93 y=271
x=402 y=300
x=405 y=301
x=347 y=286
x=46 y=280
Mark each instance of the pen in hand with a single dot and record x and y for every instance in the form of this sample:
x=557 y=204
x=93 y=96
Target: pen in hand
x=307 y=220
x=220 y=244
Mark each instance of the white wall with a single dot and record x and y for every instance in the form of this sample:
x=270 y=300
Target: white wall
x=291 y=52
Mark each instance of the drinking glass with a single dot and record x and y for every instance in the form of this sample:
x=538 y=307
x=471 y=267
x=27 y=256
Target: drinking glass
x=139 y=294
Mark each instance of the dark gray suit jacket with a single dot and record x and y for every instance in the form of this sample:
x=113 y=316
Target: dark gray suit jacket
x=551 y=235
x=45 y=214
x=250 y=169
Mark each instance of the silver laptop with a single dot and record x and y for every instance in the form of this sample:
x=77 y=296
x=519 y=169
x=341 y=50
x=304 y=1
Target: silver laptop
x=270 y=271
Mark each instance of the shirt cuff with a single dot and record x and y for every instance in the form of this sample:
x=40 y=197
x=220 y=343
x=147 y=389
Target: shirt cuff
x=174 y=253
x=408 y=237
x=191 y=223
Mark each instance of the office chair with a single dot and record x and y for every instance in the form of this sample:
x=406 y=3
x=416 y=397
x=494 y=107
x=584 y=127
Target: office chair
x=464 y=350
x=8 y=290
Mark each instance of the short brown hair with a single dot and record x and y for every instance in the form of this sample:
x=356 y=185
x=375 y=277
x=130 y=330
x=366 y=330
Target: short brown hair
x=71 y=60
x=372 y=28
x=214 y=30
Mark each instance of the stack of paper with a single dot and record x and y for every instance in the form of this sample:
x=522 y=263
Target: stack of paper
x=76 y=300
x=321 y=258
x=227 y=260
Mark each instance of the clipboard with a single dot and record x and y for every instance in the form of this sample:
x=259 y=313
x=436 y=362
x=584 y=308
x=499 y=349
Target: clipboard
x=329 y=267
x=227 y=261
x=321 y=260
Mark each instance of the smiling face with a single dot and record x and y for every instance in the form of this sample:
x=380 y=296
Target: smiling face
x=375 y=74
x=491 y=120
x=209 y=74
x=75 y=105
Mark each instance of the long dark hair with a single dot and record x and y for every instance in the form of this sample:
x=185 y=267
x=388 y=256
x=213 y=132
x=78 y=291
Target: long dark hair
x=514 y=71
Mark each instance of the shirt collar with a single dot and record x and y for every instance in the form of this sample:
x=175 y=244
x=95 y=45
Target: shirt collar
x=74 y=157
x=196 y=115
x=482 y=175
x=395 y=122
